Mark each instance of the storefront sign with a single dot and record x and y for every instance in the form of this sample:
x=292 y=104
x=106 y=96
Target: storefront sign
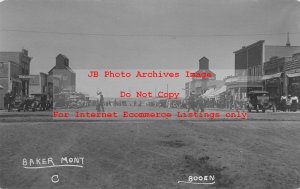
x=26 y=76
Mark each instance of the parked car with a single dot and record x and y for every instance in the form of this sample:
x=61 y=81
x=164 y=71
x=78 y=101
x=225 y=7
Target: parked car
x=259 y=100
x=30 y=104
x=40 y=100
x=15 y=103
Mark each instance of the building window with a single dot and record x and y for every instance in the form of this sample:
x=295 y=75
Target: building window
x=281 y=69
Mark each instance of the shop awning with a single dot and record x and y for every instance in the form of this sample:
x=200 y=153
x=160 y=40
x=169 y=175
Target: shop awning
x=220 y=90
x=293 y=74
x=266 y=77
x=208 y=93
x=1 y=87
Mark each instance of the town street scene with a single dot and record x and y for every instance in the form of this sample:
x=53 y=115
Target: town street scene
x=149 y=94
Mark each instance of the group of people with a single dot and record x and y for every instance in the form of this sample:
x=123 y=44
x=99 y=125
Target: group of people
x=289 y=103
x=196 y=103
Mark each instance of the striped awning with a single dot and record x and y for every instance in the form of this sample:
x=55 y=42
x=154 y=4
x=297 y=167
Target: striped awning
x=266 y=77
x=220 y=90
x=208 y=93
x=293 y=74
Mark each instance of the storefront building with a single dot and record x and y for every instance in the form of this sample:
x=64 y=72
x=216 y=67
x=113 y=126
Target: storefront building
x=292 y=71
x=14 y=67
x=38 y=84
x=274 y=78
x=249 y=69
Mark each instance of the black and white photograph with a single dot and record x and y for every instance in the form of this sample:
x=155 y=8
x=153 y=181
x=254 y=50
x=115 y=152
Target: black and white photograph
x=150 y=94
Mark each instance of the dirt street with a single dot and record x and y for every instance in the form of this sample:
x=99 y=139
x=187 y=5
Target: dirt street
x=153 y=154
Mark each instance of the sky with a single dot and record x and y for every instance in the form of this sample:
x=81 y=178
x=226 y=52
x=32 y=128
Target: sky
x=144 y=34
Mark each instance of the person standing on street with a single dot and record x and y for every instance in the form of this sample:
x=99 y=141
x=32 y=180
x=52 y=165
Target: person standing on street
x=289 y=102
x=192 y=102
x=283 y=102
x=295 y=102
x=100 y=102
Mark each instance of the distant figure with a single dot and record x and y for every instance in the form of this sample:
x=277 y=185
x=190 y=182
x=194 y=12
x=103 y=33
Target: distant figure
x=100 y=102
x=200 y=104
x=283 y=102
x=294 y=104
x=289 y=103
x=168 y=104
x=192 y=102
x=11 y=100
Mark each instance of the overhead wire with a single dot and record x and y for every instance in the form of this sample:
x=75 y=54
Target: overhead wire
x=146 y=35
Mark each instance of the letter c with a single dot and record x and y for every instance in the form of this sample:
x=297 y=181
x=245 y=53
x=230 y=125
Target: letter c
x=55 y=180
x=160 y=94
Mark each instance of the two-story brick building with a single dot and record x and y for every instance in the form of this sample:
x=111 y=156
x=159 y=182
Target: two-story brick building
x=249 y=67
x=14 y=74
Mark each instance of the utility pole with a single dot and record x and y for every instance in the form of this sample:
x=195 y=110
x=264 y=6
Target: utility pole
x=167 y=88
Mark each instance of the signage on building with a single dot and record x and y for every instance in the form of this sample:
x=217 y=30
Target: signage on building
x=26 y=76
x=35 y=80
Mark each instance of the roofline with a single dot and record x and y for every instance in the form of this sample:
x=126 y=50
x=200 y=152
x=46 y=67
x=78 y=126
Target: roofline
x=249 y=46
x=280 y=46
x=43 y=73
x=203 y=58
x=66 y=67
x=62 y=55
x=51 y=69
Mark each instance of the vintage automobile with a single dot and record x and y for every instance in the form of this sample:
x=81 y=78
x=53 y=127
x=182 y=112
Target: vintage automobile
x=30 y=104
x=40 y=101
x=16 y=104
x=72 y=103
x=259 y=100
x=59 y=100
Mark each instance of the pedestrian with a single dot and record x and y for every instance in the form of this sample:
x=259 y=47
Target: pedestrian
x=200 y=104
x=192 y=102
x=11 y=100
x=283 y=100
x=294 y=104
x=100 y=102
x=289 y=102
